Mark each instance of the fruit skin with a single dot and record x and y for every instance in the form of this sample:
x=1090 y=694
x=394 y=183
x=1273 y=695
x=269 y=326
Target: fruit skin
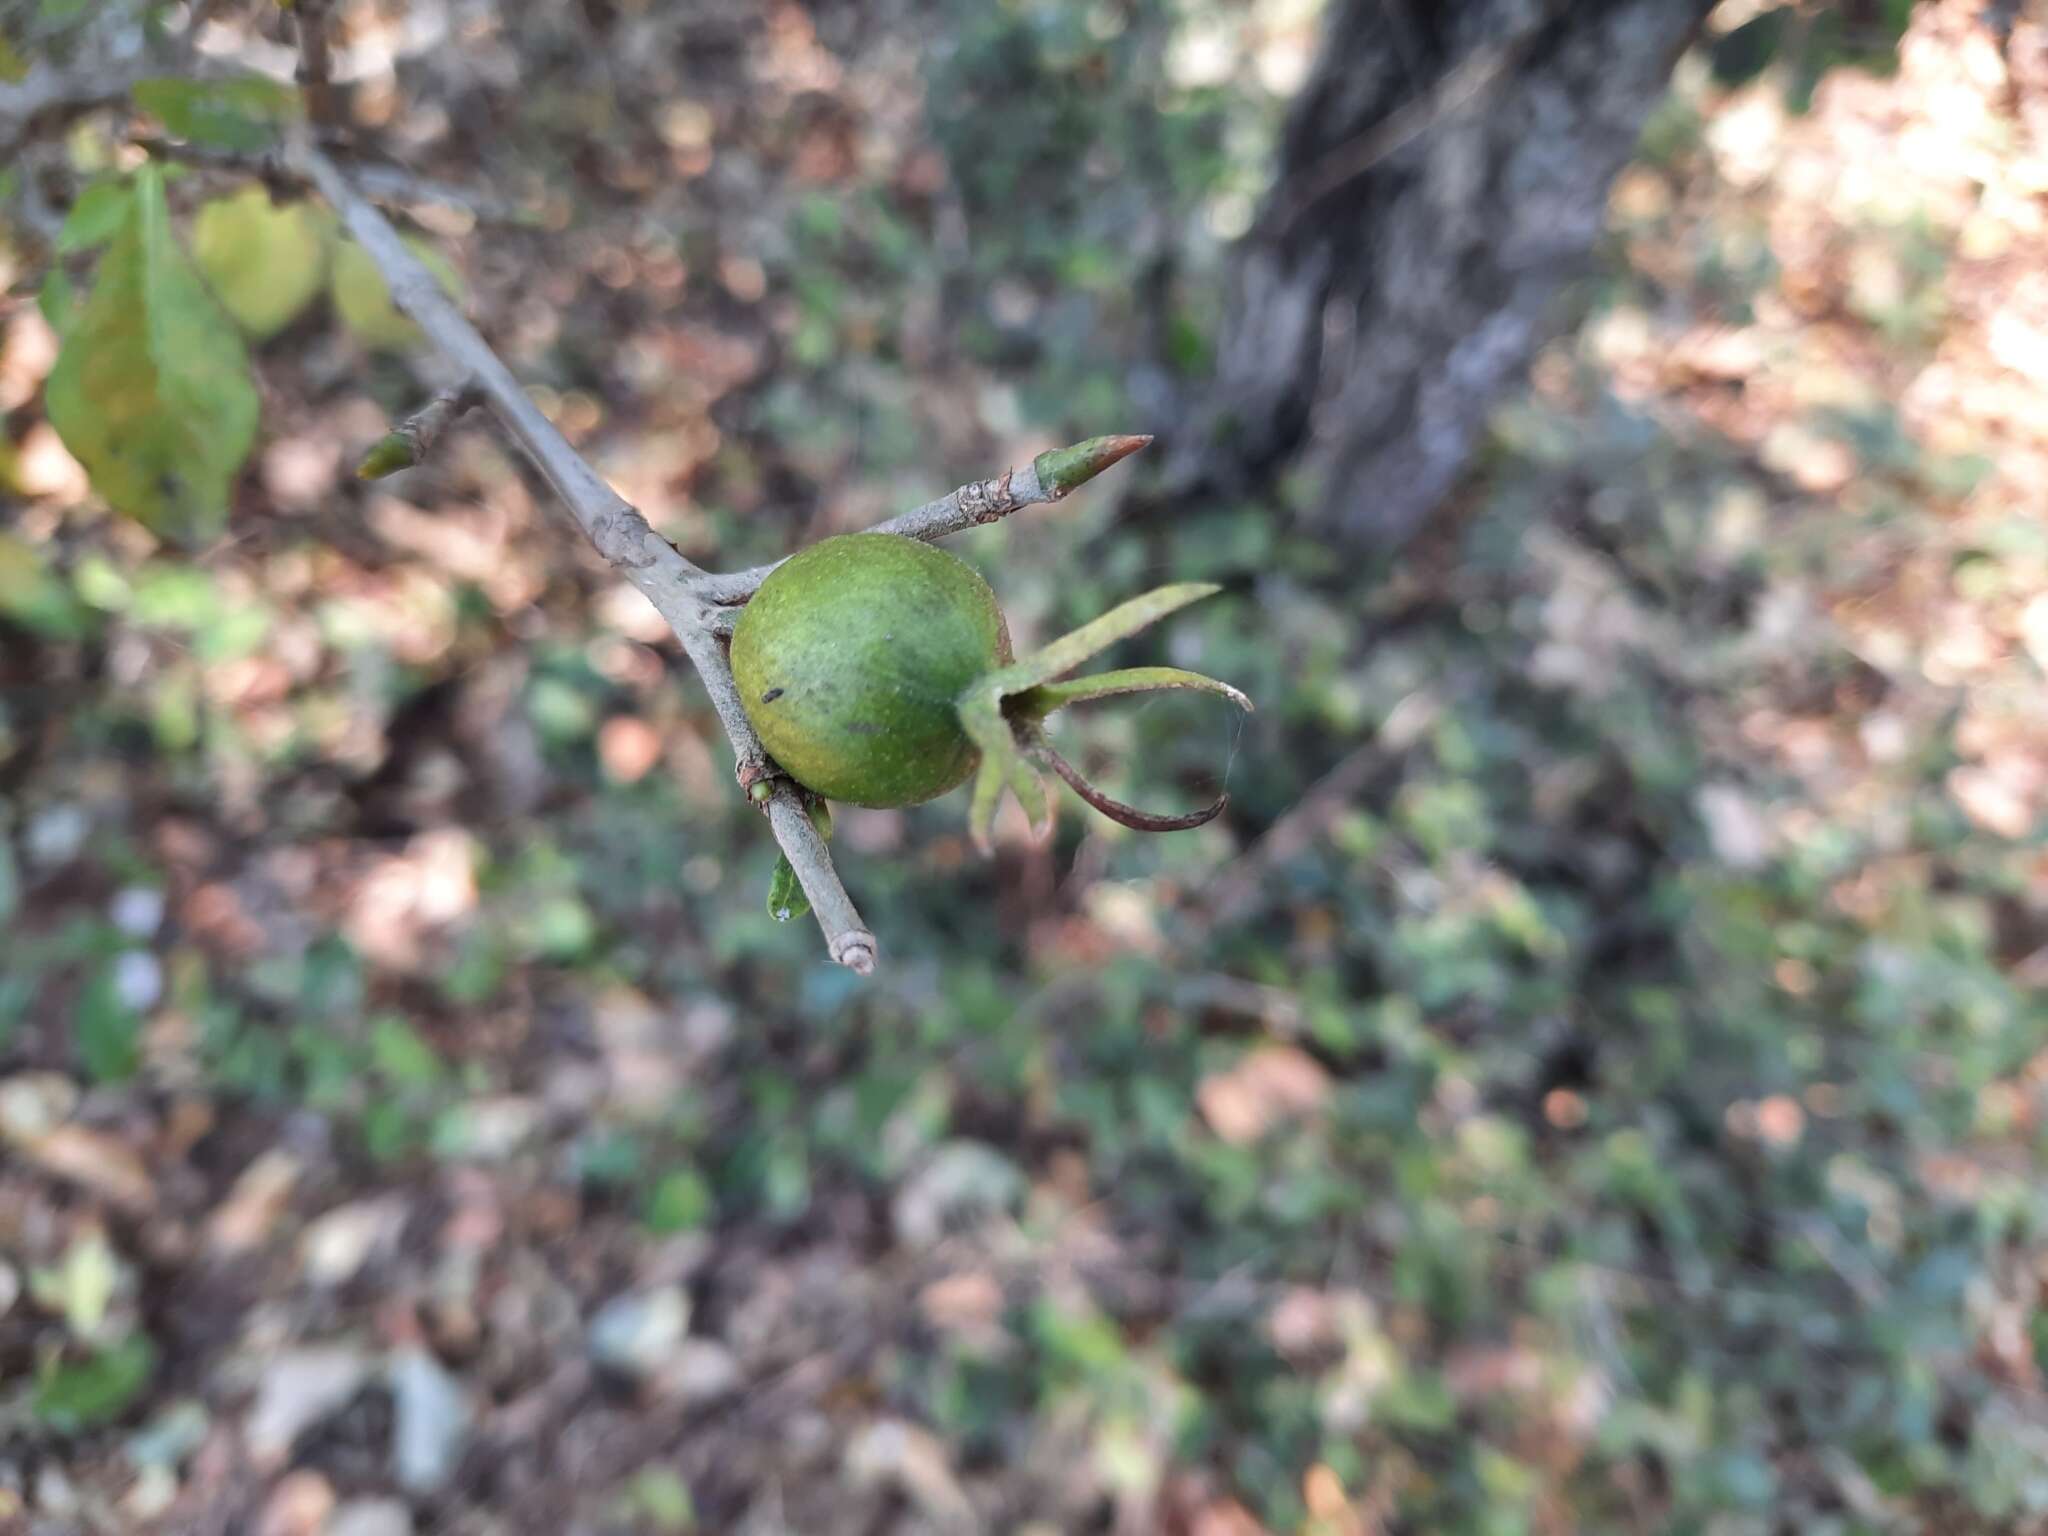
x=850 y=660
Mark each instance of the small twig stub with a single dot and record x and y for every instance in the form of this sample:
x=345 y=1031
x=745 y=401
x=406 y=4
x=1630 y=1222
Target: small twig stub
x=409 y=443
x=987 y=501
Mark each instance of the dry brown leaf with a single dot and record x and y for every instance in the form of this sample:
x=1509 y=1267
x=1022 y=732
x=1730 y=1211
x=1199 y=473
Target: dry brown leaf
x=101 y=1163
x=969 y=1302
x=245 y=1219
x=1273 y=1084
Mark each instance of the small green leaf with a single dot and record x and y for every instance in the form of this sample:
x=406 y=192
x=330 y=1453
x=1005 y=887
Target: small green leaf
x=71 y=1399
x=264 y=263
x=107 y=1030
x=96 y=217
x=561 y=929
x=398 y=1052
x=786 y=899
x=608 y=1160
x=364 y=302
x=243 y=114
x=151 y=391
x=388 y=1131
x=681 y=1202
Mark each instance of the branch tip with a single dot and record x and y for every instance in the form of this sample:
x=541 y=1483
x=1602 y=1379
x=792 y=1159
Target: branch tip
x=387 y=456
x=678 y=589
x=856 y=951
x=409 y=443
x=1062 y=470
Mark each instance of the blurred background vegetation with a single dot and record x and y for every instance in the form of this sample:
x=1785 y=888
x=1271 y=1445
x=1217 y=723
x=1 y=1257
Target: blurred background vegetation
x=1593 y=1078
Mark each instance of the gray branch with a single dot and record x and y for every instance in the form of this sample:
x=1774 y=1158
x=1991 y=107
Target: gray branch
x=620 y=533
x=970 y=506
x=1049 y=477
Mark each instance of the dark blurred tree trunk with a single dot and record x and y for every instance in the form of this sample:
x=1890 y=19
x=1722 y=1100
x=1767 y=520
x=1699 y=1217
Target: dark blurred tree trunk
x=1445 y=168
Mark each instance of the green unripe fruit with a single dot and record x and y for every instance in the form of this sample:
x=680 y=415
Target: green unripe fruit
x=877 y=670
x=851 y=659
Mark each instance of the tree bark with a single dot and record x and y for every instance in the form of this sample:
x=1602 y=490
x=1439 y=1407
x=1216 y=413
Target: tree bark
x=1445 y=168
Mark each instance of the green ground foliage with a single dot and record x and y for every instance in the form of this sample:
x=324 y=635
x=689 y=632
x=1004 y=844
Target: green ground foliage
x=1591 y=1080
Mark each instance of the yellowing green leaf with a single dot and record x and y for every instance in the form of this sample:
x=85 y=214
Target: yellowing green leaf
x=151 y=391
x=82 y=1285
x=242 y=114
x=264 y=263
x=364 y=302
x=12 y=65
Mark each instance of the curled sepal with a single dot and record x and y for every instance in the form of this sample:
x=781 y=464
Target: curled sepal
x=1003 y=767
x=1000 y=714
x=1070 y=650
x=1029 y=789
x=786 y=899
x=1123 y=815
x=981 y=716
x=1037 y=703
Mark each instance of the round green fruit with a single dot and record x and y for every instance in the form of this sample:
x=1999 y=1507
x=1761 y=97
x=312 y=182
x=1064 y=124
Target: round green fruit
x=851 y=660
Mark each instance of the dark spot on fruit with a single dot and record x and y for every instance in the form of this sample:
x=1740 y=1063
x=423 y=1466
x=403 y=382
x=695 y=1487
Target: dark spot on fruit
x=772 y=695
x=865 y=728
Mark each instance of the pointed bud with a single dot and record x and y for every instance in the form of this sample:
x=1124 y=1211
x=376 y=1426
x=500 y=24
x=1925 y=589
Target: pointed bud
x=1061 y=470
x=387 y=456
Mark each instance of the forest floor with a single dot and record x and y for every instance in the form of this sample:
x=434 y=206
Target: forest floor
x=1594 y=1079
